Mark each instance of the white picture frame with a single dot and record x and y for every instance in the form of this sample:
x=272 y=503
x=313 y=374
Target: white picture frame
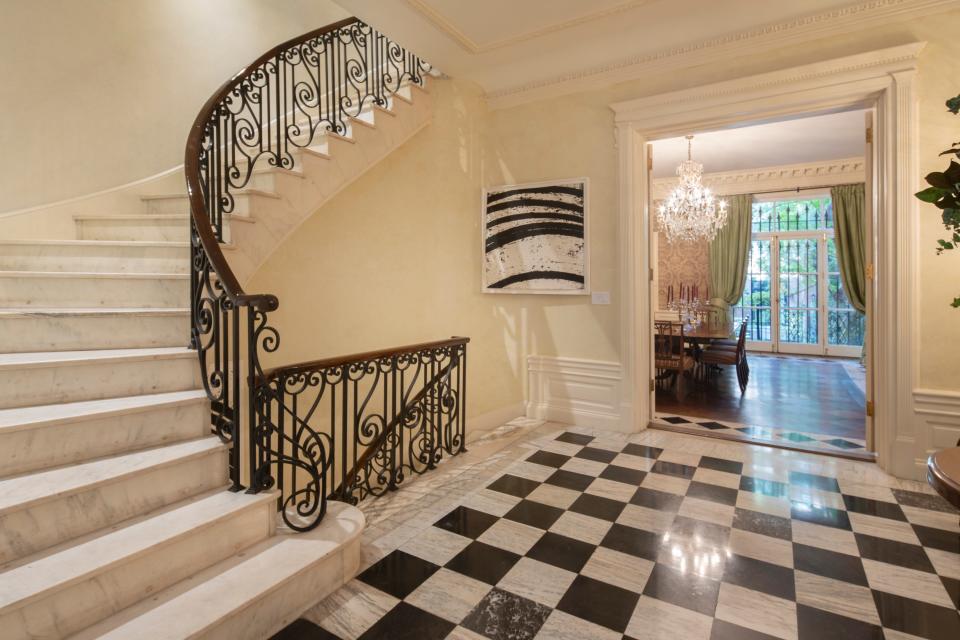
x=516 y=262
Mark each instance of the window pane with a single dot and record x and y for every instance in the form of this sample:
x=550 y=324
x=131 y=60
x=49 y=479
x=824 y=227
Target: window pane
x=754 y=304
x=845 y=325
x=793 y=215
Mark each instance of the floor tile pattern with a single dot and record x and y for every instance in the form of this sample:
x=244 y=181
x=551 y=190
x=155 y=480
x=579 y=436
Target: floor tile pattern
x=765 y=435
x=648 y=542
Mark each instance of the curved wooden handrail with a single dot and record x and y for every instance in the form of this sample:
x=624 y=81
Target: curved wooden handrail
x=339 y=361
x=198 y=212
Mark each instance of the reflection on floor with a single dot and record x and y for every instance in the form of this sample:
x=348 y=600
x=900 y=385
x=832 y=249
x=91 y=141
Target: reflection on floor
x=797 y=393
x=555 y=533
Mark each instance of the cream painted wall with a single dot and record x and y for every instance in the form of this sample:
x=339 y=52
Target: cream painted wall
x=99 y=93
x=395 y=258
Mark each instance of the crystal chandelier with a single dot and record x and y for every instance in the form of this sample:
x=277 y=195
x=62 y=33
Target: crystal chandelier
x=691 y=212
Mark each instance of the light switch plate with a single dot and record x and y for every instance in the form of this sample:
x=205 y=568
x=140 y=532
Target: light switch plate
x=600 y=297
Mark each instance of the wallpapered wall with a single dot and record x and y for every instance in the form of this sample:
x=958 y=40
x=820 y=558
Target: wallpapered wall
x=678 y=262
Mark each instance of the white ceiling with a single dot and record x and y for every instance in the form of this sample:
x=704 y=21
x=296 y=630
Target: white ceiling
x=506 y=44
x=826 y=137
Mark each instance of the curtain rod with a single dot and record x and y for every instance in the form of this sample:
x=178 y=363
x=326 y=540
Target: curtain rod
x=798 y=189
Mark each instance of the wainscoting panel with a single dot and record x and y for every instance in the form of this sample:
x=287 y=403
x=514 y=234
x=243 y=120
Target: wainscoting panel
x=938 y=415
x=575 y=391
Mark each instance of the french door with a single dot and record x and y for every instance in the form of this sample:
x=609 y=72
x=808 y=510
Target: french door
x=793 y=297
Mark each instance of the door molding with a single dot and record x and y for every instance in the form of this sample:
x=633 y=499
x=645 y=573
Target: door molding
x=883 y=80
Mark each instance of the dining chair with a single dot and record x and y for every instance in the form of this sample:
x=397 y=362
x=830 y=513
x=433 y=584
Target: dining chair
x=670 y=353
x=725 y=355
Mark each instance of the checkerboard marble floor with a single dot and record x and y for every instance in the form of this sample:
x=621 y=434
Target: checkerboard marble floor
x=586 y=534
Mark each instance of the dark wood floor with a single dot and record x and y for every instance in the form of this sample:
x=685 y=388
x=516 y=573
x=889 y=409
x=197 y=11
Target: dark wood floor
x=800 y=394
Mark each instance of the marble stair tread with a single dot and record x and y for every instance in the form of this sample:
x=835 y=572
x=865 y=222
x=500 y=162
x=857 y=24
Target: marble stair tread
x=21 y=492
x=41 y=415
x=149 y=217
x=101 y=552
x=96 y=243
x=36 y=312
x=203 y=605
x=99 y=275
x=101 y=356
x=236 y=192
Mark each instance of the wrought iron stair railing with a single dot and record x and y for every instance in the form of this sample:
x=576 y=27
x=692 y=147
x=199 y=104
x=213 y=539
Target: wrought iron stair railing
x=284 y=101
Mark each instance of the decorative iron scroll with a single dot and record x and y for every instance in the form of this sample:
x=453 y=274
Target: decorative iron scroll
x=351 y=428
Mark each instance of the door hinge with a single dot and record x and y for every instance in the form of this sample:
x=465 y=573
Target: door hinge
x=870 y=408
x=649 y=158
x=651 y=274
x=653 y=385
x=869 y=135
x=869 y=271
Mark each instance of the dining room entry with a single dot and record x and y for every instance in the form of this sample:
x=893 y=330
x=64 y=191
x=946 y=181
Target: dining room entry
x=761 y=239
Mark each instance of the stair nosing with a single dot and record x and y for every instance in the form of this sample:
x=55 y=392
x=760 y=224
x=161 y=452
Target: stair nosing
x=163 y=244
x=249 y=502
x=213 y=446
x=56 y=312
x=45 y=359
x=104 y=275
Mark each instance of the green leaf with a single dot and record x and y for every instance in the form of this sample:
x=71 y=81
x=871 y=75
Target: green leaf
x=952 y=173
x=953 y=105
x=956 y=303
x=931 y=194
x=938 y=180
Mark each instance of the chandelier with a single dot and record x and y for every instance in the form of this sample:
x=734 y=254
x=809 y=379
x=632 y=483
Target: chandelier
x=691 y=212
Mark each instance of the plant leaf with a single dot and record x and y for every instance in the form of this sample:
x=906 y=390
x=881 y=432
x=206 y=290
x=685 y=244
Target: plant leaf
x=938 y=180
x=953 y=105
x=931 y=194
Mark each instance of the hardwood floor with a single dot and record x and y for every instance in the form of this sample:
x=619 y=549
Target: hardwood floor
x=802 y=393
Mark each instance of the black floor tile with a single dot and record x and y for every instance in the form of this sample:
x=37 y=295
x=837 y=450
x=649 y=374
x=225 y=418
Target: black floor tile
x=763 y=523
x=712 y=492
x=686 y=590
x=302 y=629
x=597 y=455
x=534 y=514
x=719 y=464
x=953 y=589
x=407 y=622
x=817 y=624
x=796 y=437
x=675 y=420
x=923 y=501
x=598 y=507
x=513 y=485
x=599 y=602
x=575 y=438
x=561 y=551
x=398 y=574
x=820 y=515
x=502 y=615
x=623 y=474
x=570 y=480
x=642 y=450
x=892 y=552
x=824 y=483
x=548 y=459
x=710 y=533
x=713 y=426
x=938 y=538
x=659 y=500
x=674 y=469
x=466 y=522
x=483 y=562
x=874 y=508
x=760 y=576
x=829 y=564
x=636 y=542
x=770 y=488
x=917 y=618
x=844 y=444
x=728 y=631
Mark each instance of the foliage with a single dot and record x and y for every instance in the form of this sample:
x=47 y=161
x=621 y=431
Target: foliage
x=944 y=193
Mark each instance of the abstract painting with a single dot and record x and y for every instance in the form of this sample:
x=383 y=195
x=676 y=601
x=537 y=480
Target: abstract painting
x=535 y=238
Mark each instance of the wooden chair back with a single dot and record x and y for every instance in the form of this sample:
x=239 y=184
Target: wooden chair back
x=668 y=343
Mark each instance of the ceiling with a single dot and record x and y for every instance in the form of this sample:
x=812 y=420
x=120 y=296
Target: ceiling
x=508 y=46
x=827 y=137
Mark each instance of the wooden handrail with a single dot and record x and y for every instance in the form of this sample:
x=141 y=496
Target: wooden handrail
x=191 y=166
x=338 y=361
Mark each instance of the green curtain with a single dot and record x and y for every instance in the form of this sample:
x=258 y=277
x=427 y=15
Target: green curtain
x=729 y=251
x=850 y=239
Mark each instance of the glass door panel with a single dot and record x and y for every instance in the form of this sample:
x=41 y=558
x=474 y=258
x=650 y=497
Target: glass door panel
x=798 y=294
x=845 y=325
x=755 y=306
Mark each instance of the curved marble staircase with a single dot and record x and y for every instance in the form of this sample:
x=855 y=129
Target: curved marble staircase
x=115 y=520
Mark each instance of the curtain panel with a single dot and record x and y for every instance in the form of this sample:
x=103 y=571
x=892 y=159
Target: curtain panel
x=849 y=210
x=729 y=252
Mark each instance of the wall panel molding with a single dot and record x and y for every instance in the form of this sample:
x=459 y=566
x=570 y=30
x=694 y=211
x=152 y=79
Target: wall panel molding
x=575 y=391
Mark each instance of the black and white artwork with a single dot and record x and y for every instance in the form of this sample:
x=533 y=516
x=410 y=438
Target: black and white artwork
x=535 y=238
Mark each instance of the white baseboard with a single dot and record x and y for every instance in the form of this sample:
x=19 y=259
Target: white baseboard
x=478 y=426
x=574 y=391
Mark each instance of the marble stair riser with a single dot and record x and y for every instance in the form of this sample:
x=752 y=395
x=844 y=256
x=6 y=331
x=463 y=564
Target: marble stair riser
x=254 y=595
x=25 y=331
x=95 y=597
x=75 y=381
x=94 y=290
x=166 y=230
x=42 y=446
x=64 y=516
x=109 y=259
x=243 y=204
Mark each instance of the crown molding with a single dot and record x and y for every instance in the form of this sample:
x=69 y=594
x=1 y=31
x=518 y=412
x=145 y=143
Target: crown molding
x=471 y=46
x=777 y=178
x=849 y=19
